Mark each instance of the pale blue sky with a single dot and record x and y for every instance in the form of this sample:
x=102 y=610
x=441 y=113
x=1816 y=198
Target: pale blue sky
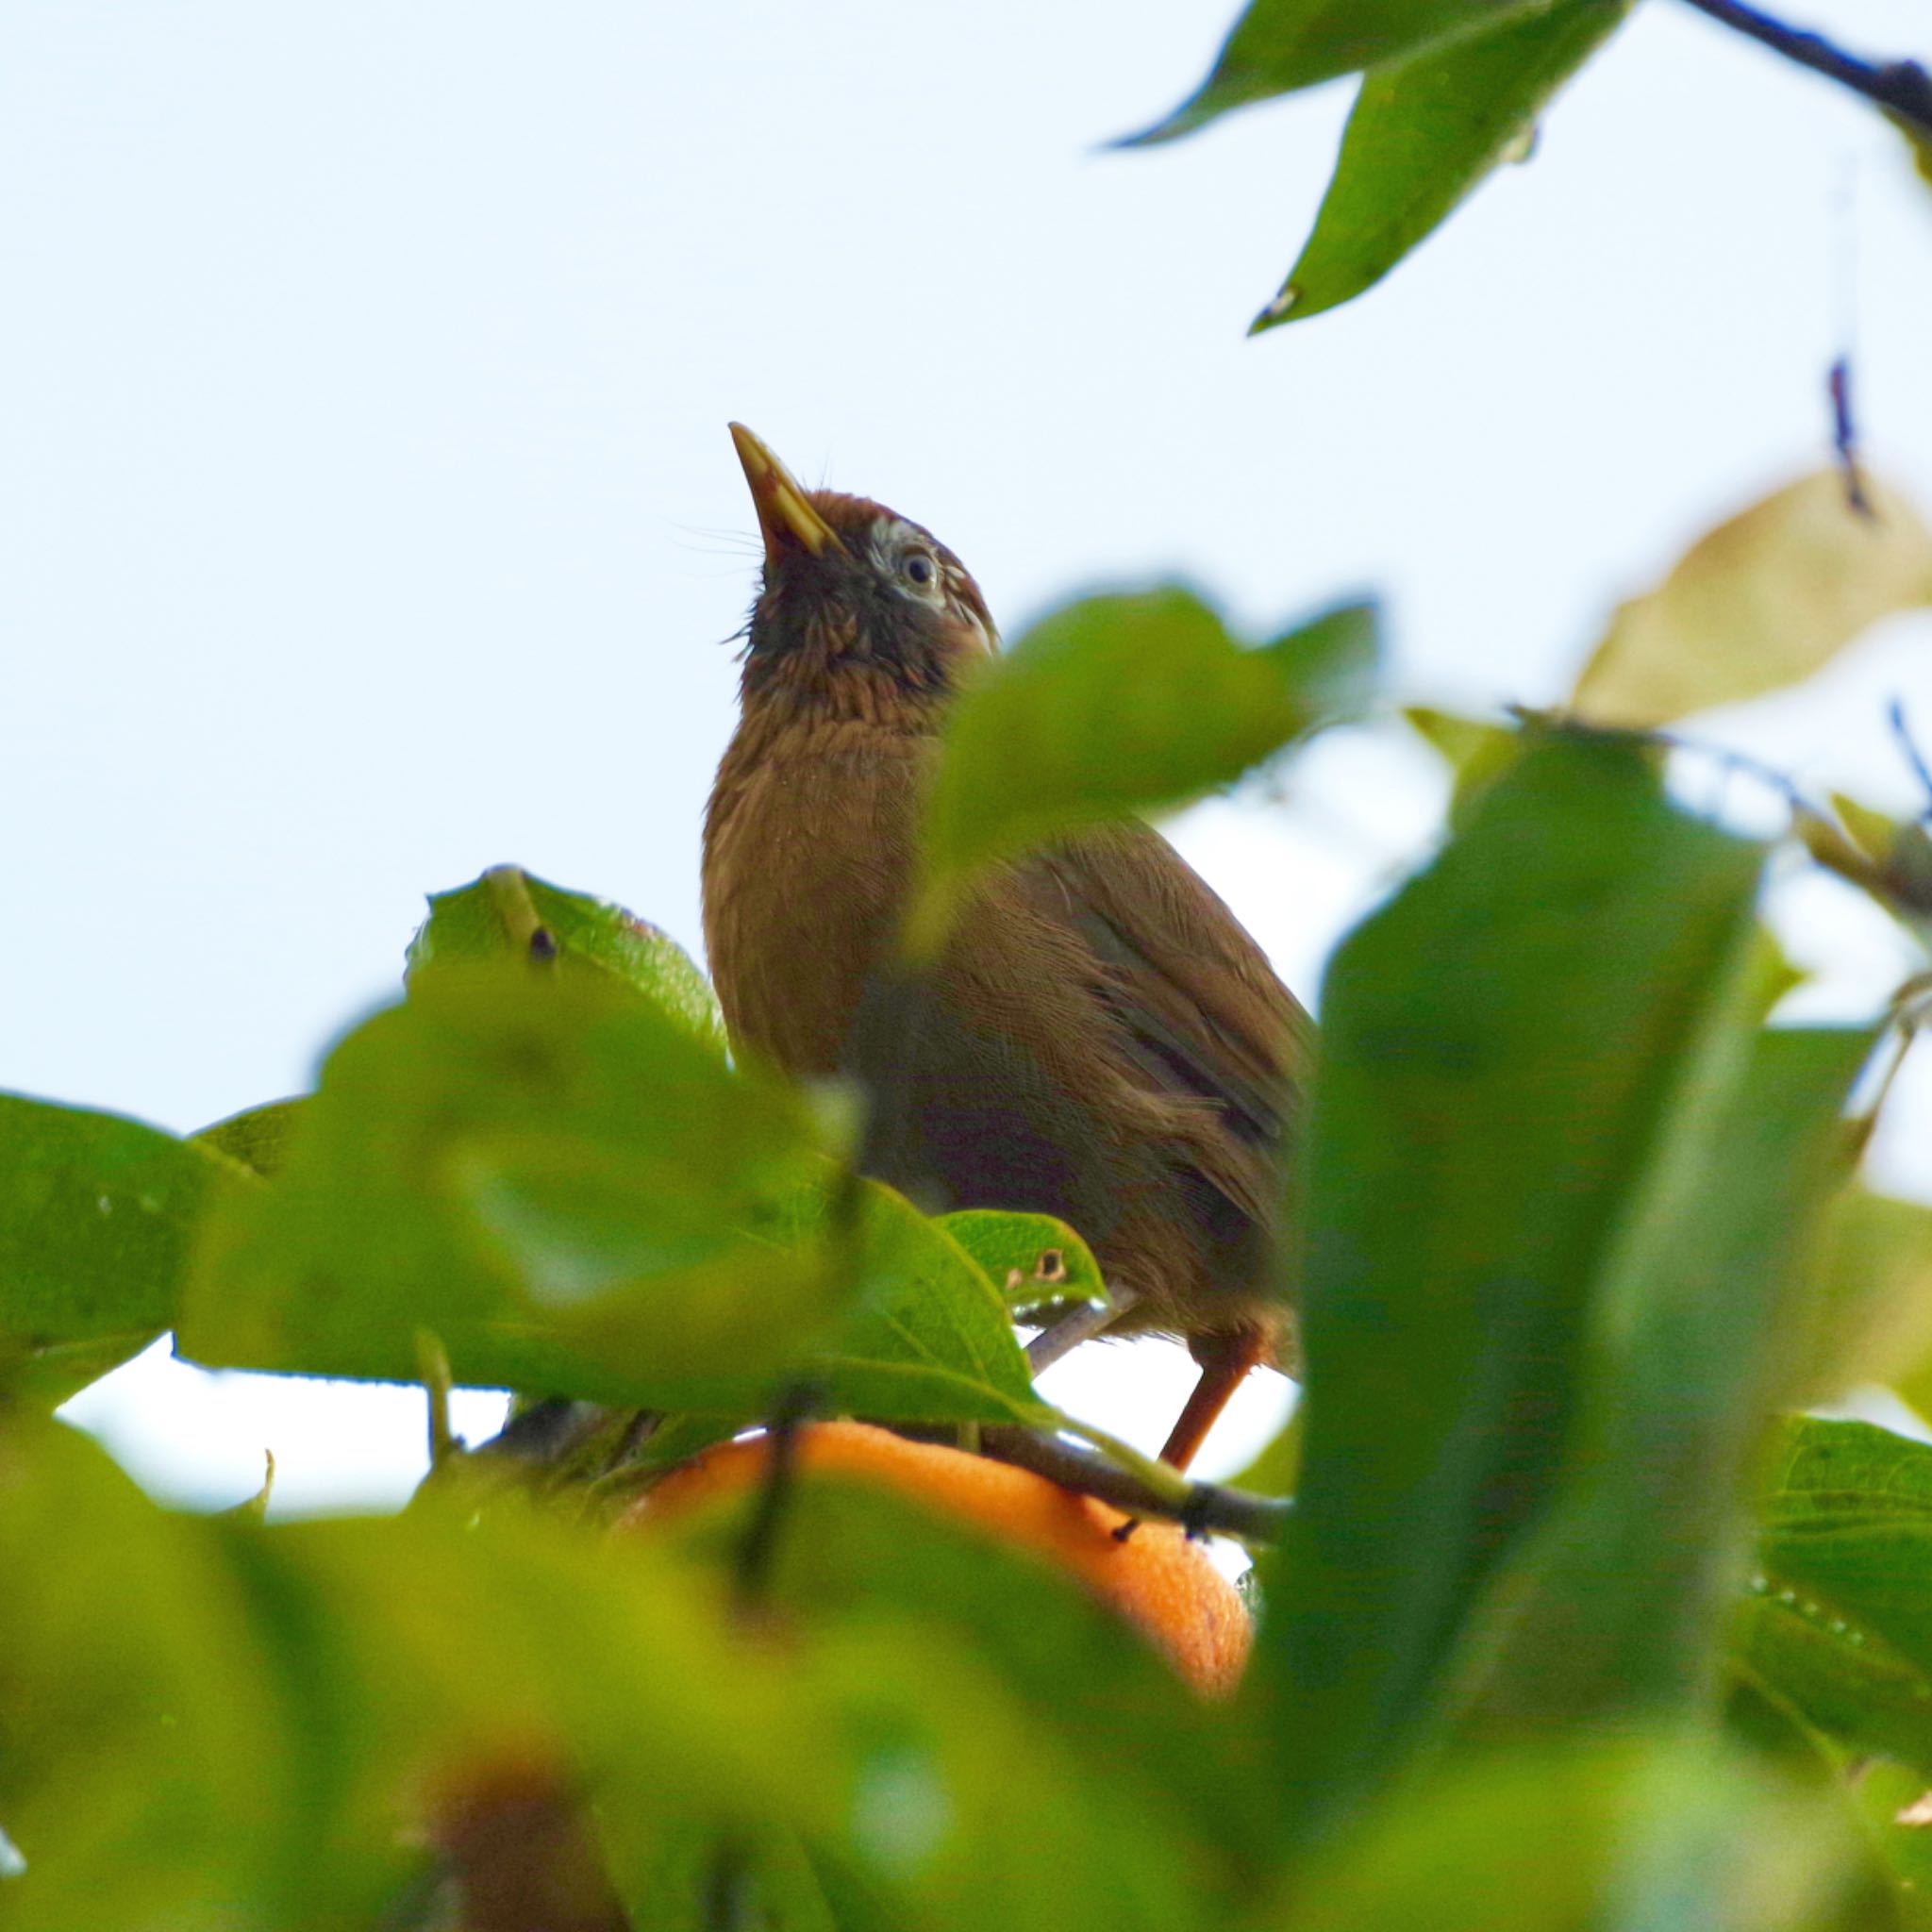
x=367 y=514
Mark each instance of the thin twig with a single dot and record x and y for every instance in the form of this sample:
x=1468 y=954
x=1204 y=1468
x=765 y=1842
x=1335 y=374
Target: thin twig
x=1845 y=440
x=1901 y=88
x=1207 y=1508
x=1895 y=716
x=752 y=1569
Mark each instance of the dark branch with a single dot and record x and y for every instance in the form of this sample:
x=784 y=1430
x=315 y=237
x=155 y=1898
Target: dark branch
x=1901 y=88
x=1209 y=1509
x=1845 y=440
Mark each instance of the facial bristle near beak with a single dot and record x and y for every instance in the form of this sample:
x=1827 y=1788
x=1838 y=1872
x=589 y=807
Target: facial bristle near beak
x=786 y=520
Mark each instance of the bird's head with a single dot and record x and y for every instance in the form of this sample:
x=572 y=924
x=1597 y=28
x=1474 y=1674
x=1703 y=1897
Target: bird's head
x=860 y=611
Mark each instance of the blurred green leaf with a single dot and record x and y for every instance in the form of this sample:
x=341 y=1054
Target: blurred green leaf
x=511 y=914
x=1120 y=703
x=1839 y=1621
x=97 y=1213
x=576 y=1197
x=1892 y=859
x=211 y=1723
x=1614 y=1605
x=1277 y=1470
x=558 y=1179
x=1424 y=130
x=259 y=1139
x=686 y=1875
x=1475 y=750
x=1602 y=1835
x=1762 y=602
x=1279 y=46
x=1507 y=1049
x=1873 y=1269
x=1888 y=1796
x=152 y=1767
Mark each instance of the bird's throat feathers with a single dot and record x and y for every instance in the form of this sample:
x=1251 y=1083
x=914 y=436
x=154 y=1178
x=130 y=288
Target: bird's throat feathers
x=877 y=628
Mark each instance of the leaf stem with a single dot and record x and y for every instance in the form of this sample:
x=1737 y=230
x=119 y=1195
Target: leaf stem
x=432 y=1362
x=1901 y=88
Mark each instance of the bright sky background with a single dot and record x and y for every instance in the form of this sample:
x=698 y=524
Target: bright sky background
x=367 y=515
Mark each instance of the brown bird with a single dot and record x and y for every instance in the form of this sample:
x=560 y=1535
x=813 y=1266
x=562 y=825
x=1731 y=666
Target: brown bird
x=1099 y=1040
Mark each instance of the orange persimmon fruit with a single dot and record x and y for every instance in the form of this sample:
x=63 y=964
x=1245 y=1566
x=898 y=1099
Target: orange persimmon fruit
x=1156 y=1578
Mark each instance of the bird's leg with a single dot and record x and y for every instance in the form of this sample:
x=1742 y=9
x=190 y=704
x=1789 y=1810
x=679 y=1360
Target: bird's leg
x=1052 y=1344
x=1225 y=1357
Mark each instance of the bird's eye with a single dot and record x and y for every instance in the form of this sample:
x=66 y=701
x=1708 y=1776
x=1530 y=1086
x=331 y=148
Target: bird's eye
x=919 y=568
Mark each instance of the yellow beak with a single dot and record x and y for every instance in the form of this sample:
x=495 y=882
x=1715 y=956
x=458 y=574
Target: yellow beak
x=785 y=513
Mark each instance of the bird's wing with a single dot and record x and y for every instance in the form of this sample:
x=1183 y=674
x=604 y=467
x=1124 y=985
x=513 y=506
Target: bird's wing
x=1193 y=1000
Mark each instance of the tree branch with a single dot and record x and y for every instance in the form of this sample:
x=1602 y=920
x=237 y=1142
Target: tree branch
x=1901 y=88
x=1208 y=1509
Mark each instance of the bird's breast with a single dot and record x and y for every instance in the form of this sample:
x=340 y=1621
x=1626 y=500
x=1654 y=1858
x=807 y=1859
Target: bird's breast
x=807 y=858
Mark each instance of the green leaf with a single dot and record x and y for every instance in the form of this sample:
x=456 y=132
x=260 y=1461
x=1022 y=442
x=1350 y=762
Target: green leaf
x=672 y=1874
x=1838 y=1622
x=1476 y=752
x=511 y=914
x=578 y=1197
x=1762 y=602
x=1423 y=132
x=1890 y=858
x=1614 y=1833
x=562 y=1182
x=928 y=1338
x=1033 y=1259
x=96 y=1217
x=1891 y=1800
x=211 y=1722
x=1279 y=46
x=1615 y=1603
x=259 y=1139
x=1873 y=1270
x=1116 y=705
x=1504 y=1048
x=1276 y=1471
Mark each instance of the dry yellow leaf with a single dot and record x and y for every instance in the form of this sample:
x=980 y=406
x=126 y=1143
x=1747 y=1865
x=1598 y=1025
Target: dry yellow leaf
x=1759 y=603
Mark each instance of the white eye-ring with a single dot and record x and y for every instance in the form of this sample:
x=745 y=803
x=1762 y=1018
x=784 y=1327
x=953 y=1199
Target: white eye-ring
x=919 y=568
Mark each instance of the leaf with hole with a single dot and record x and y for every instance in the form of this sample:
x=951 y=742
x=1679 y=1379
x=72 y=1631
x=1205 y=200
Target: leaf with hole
x=511 y=914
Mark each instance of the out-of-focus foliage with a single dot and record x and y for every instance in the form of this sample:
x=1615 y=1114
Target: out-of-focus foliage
x=1118 y=705
x=1762 y=601
x=1567 y=992
x=96 y=1218
x=1519 y=1577
x=570 y=1192
x=258 y=1138
x=1572 y=1627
